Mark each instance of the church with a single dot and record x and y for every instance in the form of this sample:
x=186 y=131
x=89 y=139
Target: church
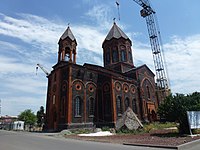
x=86 y=96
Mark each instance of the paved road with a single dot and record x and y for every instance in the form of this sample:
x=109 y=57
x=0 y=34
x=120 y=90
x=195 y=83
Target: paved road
x=29 y=141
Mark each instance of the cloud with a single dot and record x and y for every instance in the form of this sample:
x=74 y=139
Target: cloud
x=85 y=56
x=89 y=1
x=182 y=56
x=102 y=15
x=89 y=34
x=8 y=46
x=142 y=54
x=15 y=105
x=31 y=29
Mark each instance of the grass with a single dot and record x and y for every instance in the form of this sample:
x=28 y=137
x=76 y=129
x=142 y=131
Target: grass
x=126 y=131
x=148 y=128
x=80 y=131
x=158 y=126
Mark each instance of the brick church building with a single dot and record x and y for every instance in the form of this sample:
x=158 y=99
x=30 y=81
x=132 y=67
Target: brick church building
x=83 y=96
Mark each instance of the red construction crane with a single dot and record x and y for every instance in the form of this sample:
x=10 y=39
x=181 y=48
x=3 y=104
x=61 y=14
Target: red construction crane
x=43 y=69
x=156 y=45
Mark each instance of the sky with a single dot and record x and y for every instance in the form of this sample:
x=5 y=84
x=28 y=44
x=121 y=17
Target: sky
x=30 y=31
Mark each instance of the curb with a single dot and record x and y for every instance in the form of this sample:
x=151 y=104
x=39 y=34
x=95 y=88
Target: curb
x=150 y=145
x=179 y=147
x=189 y=145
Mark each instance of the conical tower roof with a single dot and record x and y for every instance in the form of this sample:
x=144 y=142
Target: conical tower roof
x=116 y=32
x=68 y=33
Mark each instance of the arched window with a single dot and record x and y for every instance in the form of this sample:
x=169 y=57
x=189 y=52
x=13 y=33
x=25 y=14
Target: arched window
x=115 y=56
x=54 y=99
x=107 y=105
x=123 y=55
x=67 y=51
x=127 y=103
x=130 y=56
x=119 y=105
x=106 y=100
x=148 y=92
x=77 y=106
x=91 y=107
x=91 y=75
x=134 y=105
x=108 y=57
x=62 y=107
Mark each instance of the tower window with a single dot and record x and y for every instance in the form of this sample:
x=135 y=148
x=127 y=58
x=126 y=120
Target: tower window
x=119 y=106
x=115 y=56
x=123 y=55
x=77 y=106
x=67 y=51
x=108 y=57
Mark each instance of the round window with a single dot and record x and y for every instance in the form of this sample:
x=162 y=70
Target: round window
x=132 y=89
x=126 y=88
x=91 y=88
x=78 y=86
x=118 y=86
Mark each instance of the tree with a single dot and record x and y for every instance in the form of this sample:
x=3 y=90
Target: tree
x=28 y=117
x=175 y=107
x=40 y=116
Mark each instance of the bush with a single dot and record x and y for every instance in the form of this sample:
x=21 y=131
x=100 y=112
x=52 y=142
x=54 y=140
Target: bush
x=175 y=107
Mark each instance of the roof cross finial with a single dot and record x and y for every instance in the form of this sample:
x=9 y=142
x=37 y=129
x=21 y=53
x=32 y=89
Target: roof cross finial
x=68 y=24
x=114 y=20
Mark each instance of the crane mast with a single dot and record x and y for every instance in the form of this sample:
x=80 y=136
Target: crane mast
x=156 y=45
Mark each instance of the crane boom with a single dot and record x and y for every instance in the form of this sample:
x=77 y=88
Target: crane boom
x=44 y=70
x=142 y=3
x=156 y=45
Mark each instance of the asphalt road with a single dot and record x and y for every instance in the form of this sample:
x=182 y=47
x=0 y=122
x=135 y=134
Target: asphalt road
x=10 y=140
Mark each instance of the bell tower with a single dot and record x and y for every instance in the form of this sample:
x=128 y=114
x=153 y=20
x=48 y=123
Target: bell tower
x=67 y=47
x=117 y=53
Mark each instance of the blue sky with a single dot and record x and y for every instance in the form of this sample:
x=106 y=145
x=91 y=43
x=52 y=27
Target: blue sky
x=30 y=30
